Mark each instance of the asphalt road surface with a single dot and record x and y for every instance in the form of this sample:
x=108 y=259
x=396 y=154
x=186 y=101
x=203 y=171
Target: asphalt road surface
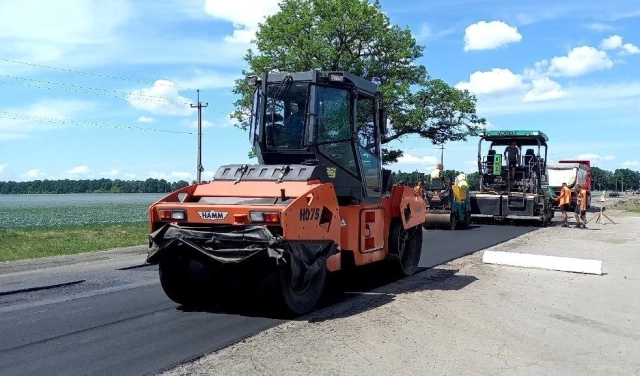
x=123 y=324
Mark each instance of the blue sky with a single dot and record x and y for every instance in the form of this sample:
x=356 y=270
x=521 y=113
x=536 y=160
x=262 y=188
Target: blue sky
x=92 y=89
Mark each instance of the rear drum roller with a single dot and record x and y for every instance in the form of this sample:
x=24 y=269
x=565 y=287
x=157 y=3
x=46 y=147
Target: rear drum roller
x=186 y=280
x=301 y=299
x=405 y=248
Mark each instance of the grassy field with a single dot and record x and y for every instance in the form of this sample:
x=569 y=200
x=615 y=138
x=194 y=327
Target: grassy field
x=33 y=226
x=35 y=242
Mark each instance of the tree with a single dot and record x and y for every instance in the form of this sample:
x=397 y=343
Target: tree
x=356 y=36
x=602 y=178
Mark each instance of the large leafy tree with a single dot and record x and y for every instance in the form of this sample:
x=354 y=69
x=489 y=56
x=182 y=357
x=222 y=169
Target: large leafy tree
x=356 y=36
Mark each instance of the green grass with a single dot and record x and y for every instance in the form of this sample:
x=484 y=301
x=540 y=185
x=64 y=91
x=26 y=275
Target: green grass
x=36 y=242
x=635 y=209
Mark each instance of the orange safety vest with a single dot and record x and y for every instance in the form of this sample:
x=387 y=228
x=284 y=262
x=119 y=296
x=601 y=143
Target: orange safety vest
x=565 y=196
x=582 y=200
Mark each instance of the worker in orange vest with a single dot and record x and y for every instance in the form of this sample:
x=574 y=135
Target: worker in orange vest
x=565 y=201
x=581 y=207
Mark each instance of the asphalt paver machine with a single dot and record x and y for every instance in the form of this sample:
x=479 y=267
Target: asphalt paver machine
x=526 y=199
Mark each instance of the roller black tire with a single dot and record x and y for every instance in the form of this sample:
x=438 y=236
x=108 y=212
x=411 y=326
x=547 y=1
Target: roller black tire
x=185 y=280
x=302 y=301
x=405 y=264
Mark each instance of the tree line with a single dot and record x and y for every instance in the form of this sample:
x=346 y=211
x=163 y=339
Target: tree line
x=90 y=186
x=618 y=180
x=603 y=180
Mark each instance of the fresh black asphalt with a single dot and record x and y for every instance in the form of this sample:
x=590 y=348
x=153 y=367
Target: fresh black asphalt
x=139 y=331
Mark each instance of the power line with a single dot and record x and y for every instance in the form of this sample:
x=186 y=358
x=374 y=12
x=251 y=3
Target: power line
x=128 y=96
x=87 y=87
x=91 y=74
x=41 y=119
x=101 y=93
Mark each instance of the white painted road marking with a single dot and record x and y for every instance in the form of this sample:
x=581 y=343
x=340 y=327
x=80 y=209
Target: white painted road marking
x=565 y=264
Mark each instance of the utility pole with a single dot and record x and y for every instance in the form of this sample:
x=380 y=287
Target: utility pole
x=442 y=154
x=199 y=106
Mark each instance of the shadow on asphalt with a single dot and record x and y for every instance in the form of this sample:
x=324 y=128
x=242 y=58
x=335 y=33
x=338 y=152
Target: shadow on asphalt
x=342 y=286
x=443 y=280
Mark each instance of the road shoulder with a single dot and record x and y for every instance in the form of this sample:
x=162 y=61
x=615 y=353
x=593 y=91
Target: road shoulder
x=466 y=317
x=10 y=267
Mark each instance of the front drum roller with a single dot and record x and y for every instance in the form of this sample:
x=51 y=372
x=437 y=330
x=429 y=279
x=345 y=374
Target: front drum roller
x=437 y=221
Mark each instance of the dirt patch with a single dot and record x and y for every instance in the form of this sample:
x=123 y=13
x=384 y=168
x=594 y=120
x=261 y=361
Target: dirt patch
x=627 y=204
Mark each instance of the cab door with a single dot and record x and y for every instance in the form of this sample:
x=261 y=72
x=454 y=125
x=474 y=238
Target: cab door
x=368 y=144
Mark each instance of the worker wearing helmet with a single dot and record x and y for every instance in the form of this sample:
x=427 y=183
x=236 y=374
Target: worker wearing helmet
x=436 y=178
x=461 y=181
x=437 y=173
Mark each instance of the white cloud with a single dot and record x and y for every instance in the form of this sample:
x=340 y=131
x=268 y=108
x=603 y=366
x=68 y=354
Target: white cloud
x=614 y=42
x=41 y=31
x=599 y=27
x=630 y=49
x=174 y=175
x=497 y=82
x=411 y=159
x=544 y=89
x=146 y=119
x=243 y=14
x=619 y=96
x=2 y=167
x=630 y=164
x=79 y=170
x=45 y=115
x=594 y=157
x=589 y=156
x=207 y=79
x=580 y=60
x=489 y=35
x=163 y=98
x=34 y=174
x=538 y=71
x=130 y=175
x=427 y=32
x=611 y=43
